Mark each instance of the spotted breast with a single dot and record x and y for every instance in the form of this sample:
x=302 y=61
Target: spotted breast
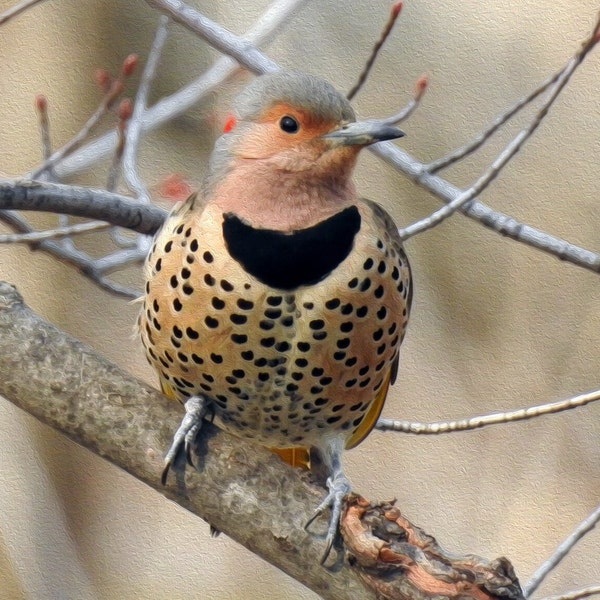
x=290 y=335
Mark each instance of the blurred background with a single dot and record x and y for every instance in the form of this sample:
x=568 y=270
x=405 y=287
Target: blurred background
x=495 y=325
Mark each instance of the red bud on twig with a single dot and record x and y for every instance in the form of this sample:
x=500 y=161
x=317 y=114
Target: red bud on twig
x=125 y=109
x=421 y=86
x=103 y=79
x=41 y=103
x=129 y=65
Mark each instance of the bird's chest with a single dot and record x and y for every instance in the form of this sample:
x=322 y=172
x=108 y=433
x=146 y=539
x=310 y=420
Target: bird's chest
x=286 y=349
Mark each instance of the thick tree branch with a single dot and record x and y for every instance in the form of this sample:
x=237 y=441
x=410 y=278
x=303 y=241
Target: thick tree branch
x=241 y=489
x=81 y=202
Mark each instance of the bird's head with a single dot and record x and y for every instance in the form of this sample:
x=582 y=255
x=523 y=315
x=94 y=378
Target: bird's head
x=291 y=122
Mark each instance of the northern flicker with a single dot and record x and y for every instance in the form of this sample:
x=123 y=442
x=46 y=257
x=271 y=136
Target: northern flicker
x=275 y=297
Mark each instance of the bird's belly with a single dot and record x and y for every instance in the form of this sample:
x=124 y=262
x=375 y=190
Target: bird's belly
x=285 y=368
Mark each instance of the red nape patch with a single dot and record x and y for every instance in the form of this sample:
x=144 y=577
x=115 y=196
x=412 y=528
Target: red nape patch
x=229 y=124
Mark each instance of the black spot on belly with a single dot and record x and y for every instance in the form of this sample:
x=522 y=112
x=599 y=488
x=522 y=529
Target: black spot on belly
x=289 y=260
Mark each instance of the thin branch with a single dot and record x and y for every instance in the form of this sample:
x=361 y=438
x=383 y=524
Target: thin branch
x=120 y=259
x=130 y=152
x=41 y=105
x=513 y=147
x=53 y=234
x=394 y=14
x=17 y=9
x=246 y=54
x=76 y=141
x=593 y=590
x=82 y=262
x=124 y=114
x=472 y=423
x=495 y=220
x=486 y=134
x=132 y=178
x=409 y=109
x=561 y=551
x=82 y=202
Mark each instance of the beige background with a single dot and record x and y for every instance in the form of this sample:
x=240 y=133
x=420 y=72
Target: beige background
x=496 y=325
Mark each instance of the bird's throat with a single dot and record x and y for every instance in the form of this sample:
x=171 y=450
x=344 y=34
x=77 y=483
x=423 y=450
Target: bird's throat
x=270 y=198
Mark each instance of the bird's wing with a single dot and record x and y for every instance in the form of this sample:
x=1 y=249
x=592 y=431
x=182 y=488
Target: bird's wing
x=376 y=407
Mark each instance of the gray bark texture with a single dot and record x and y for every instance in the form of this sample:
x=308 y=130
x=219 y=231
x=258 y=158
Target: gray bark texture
x=241 y=489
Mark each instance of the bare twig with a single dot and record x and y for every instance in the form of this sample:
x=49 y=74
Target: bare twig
x=82 y=202
x=120 y=259
x=16 y=10
x=41 y=105
x=495 y=220
x=486 y=134
x=394 y=14
x=593 y=590
x=131 y=142
x=472 y=423
x=509 y=152
x=561 y=551
x=409 y=109
x=124 y=113
x=132 y=178
x=53 y=234
x=115 y=89
x=107 y=101
x=245 y=53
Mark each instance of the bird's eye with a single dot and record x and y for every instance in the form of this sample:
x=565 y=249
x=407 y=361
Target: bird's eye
x=289 y=124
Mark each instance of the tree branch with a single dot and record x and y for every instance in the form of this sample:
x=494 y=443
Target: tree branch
x=240 y=488
x=81 y=202
x=471 y=423
x=495 y=220
x=170 y=107
x=244 y=52
x=17 y=9
x=593 y=590
x=562 y=550
x=256 y=62
x=67 y=253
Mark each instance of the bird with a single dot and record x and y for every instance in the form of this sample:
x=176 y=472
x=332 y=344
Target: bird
x=276 y=299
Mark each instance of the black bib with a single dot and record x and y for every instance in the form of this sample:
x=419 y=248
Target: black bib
x=287 y=261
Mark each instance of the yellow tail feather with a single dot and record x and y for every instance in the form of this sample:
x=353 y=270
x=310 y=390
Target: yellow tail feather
x=297 y=457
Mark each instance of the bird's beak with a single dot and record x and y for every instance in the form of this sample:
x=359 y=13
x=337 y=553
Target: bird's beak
x=362 y=133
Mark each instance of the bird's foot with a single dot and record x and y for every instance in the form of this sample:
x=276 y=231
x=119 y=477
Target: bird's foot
x=183 y=440
x=339 y=487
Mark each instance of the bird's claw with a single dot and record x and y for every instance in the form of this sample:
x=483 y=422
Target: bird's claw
x=339 y=487
x=195 y=410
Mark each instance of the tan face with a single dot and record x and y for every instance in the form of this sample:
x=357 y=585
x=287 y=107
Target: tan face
x=292 y=139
